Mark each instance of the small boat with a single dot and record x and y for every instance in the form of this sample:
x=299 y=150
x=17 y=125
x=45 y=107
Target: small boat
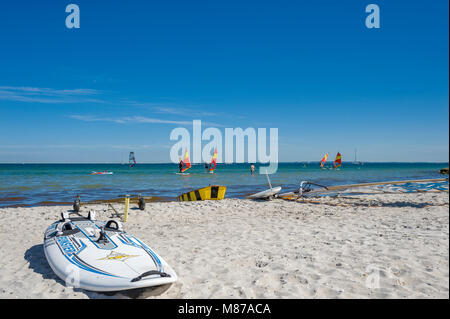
x=215 y=192
x=101 y=173
x=356 y=162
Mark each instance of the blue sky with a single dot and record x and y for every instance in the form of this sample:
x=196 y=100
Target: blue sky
x=137 y=69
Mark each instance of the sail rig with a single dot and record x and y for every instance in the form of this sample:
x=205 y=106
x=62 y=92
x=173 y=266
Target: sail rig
x=323 y=161
x=212 y=166
x=356 y=161
x=186 y=162
x=338 y=160
x=132 y=160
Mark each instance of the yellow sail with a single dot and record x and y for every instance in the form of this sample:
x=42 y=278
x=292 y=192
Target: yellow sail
x=324 y=159
x=186 y=162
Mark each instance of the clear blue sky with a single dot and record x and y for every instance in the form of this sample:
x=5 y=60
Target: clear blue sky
x=137 y=69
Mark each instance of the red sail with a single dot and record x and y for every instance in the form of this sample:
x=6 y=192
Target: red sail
x=186 y=162
x=212 y=166
x=324 y=159
x=338 y=161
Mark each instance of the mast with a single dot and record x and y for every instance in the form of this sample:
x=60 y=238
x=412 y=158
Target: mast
x=323 y=161
x=337 y=162
x=212 y=165
x=132 y=159
x=356 y=161
x=186 y=161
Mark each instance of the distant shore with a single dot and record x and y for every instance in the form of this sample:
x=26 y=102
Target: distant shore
x=359 y=246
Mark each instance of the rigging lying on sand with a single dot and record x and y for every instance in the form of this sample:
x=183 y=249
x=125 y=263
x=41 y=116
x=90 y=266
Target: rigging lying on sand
x=306 y=187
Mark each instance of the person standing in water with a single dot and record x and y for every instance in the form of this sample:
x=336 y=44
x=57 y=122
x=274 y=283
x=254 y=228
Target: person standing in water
x=252 y=169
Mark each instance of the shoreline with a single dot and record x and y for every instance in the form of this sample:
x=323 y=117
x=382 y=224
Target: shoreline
x=237 y=248
x=60 y=184
x=366 y=188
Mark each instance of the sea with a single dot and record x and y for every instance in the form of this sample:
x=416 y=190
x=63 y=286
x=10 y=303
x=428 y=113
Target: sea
x=55 y=184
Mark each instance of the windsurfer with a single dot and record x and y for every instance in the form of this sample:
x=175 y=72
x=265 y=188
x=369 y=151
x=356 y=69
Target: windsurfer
x=180 y=166
x=252 y=169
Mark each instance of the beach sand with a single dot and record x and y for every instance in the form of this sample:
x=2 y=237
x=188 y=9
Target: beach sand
x=365 y=246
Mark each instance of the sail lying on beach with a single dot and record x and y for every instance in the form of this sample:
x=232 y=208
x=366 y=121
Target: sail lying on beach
x=212 y=166
x=323 y=161
x=338 y=160
x=132 y=160
x=186 y=162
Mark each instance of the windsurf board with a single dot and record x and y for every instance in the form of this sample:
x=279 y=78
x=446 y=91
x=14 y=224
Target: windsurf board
x=101 y=256
x=265 y=194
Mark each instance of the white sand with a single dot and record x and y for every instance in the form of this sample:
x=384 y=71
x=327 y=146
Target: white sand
x=245 y=249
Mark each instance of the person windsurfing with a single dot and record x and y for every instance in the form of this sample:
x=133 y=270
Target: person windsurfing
x=181 y=165
x=323 y=161
x=338 y=161
x=185 y=164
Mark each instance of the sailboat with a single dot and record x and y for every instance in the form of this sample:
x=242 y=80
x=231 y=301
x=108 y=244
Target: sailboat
x=132 y=160
x=355 y=161
x=338 y=161
x=323 y=161
x=186 y=164
x=212 y=166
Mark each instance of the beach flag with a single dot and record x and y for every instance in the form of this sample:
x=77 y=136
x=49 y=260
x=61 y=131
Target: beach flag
x=337 y=161
x=186 y=162
x=212 y=167
x=324 y=159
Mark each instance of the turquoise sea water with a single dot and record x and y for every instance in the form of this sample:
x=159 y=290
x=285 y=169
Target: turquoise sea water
x=37 y=184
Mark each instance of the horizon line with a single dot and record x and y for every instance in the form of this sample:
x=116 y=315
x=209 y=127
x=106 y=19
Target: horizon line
x=279 y=162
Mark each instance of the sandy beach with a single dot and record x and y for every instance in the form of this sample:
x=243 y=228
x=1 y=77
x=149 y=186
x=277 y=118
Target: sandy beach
x=360 y=246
